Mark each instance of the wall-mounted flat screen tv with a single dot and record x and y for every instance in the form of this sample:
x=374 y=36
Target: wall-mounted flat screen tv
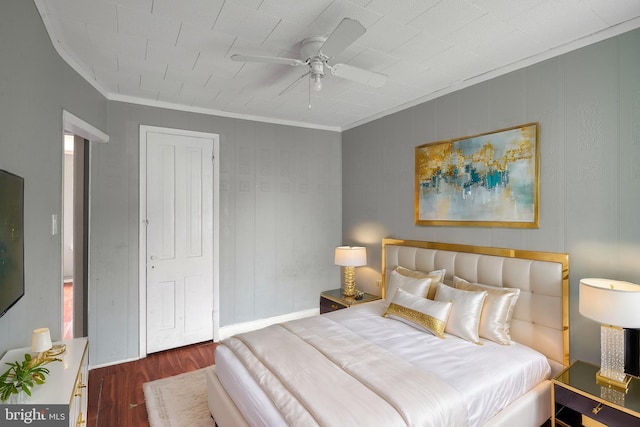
x=11 y=240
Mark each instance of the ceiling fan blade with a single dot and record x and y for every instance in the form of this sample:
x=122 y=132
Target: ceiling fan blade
x=347 y=31
x=291 y=86
x=267 y=60
x=360 y=75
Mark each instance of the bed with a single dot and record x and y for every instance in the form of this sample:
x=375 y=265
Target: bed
x=358 y=367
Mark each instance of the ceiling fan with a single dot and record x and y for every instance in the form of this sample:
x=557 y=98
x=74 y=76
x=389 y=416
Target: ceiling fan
x=316 y=52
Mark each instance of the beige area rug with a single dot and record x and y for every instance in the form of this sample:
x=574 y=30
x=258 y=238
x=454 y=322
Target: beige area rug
x=178 y=401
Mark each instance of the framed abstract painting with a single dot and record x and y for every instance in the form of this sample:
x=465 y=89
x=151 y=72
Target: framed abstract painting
x=485 y=180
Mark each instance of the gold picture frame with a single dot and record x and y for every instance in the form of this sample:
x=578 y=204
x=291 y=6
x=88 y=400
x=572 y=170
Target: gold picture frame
x=485 y=180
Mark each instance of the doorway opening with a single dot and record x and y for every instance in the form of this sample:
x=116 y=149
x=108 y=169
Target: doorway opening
x=74 y=232
x=83 y=133
x=67 y=239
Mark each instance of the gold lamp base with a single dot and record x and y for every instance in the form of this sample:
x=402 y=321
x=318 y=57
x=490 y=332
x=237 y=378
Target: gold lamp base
x=622 y=385
x=349 y=282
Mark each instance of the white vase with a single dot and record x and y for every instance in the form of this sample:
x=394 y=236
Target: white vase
x=18 y=399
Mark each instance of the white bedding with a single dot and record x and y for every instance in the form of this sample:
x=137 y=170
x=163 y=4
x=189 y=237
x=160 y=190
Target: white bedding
x=488 y=376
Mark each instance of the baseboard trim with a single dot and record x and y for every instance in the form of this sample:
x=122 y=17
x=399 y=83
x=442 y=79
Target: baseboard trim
x=238 y=328
x=118 y=362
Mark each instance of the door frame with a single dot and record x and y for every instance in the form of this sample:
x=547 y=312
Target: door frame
x=142 y=258
x=77 y=126
x=81 y=169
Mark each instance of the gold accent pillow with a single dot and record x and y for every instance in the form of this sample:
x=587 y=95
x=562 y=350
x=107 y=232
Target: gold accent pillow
x=421 y=313
x=464 y=320
x=436 y=277
x=497 y=312
x=418 y=287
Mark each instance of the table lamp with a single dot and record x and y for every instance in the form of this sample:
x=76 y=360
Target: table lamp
x=350 y=257
x=40 y=342
x=616 y=305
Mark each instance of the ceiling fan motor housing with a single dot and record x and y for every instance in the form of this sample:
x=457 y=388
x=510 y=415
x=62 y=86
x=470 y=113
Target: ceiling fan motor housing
x=310 y=48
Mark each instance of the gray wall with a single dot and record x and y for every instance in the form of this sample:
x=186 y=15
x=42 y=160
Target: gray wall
x=280 y=220
x=588 y=105
x=35 y=86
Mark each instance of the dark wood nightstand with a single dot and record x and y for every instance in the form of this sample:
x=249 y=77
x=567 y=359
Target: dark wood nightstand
x=333 y=300
x=578 y=400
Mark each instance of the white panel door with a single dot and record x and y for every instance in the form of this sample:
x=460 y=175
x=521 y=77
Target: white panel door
x=179 y=262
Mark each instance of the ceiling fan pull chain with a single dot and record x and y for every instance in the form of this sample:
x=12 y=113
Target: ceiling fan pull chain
x=309 y=93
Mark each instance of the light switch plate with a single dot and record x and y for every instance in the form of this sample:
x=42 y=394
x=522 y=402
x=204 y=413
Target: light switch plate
x=54 y=224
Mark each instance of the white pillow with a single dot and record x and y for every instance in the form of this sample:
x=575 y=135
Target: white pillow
x=436 y=277
x=419 y=287
x=464 y=319
x=421 y=313
x=497 y=312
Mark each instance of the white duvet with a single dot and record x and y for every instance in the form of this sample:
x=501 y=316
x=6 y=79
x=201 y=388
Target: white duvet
x=484 y=378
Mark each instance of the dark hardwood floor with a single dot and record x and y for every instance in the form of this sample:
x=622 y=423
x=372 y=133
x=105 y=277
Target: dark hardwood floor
x=115 y=392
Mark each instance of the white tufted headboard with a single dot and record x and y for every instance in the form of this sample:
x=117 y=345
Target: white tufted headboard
x=541 y=316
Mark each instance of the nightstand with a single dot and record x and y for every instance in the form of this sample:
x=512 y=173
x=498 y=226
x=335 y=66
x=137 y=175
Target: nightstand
x=578 y=400
x=333 y=300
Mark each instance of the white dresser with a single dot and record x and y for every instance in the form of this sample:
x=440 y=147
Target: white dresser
x=66 y=383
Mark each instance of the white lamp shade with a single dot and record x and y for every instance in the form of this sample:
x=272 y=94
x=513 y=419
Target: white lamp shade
x=351 y=256
x=40 y=340
x=610 y=302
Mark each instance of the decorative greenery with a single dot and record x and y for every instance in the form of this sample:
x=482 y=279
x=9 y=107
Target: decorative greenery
x=23 y=376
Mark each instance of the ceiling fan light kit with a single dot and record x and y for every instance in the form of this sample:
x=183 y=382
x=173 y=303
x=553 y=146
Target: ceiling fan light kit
x=316 y=52
x=317 y=73
x=317 y=83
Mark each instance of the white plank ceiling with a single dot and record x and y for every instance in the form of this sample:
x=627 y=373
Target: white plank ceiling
x=176 y=53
